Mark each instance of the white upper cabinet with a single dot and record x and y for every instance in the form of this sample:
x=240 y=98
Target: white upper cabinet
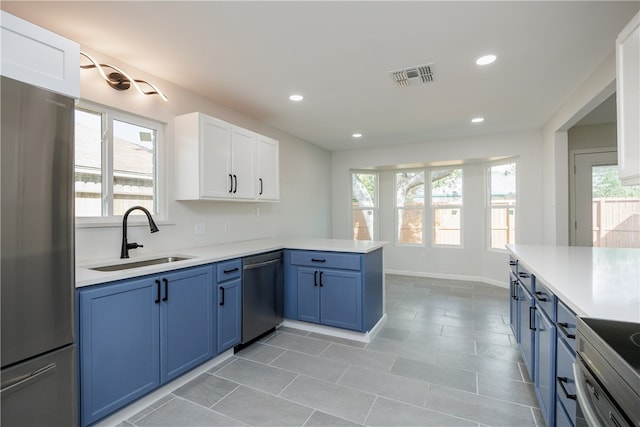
x=215 y=160
x=39 y=57
x=628 y=99
x=268 y=167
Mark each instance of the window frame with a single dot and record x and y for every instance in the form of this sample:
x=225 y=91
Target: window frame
x=489 y=206
x=108 y=116
x=396 y=208
x=376 y=202
x=460 y=208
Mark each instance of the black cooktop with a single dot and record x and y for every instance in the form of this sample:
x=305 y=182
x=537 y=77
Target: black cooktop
x=622 y=337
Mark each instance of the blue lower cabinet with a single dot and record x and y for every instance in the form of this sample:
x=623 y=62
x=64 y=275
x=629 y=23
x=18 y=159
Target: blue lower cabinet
x=137 y=334
x=229 y=306
x=544 y=371
x=525 y=328
x=308 y=295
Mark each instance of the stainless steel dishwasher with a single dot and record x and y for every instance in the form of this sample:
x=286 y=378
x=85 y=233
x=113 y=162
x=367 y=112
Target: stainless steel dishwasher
x=262 y=294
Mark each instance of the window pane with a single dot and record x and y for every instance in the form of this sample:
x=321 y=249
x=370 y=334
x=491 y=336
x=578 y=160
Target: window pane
x=409 y=189
x=616 y=210
x=133 y=167
x=363 y=222
x=446 y=226
x=363 y=190
x=410 y=226
x=503 y=204
x=88 y=164
x=446 y=187
x=446 y=200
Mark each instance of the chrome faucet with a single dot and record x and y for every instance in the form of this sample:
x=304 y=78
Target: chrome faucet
x=124 y=253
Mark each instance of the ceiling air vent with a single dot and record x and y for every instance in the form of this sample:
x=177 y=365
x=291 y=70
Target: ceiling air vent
x=413 y=76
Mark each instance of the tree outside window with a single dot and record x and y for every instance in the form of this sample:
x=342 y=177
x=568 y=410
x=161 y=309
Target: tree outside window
x=364 y=204
x=409 y=207
x=446 y=202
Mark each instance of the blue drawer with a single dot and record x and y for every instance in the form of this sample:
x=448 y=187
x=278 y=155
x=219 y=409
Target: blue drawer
x=562 y=418
x=545 y=299
x=565 y=381
x=318 y=259
x=228 y=270
x=566 y=325
x=525 y=278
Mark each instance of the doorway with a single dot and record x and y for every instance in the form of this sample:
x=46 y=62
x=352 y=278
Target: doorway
x=603 y=213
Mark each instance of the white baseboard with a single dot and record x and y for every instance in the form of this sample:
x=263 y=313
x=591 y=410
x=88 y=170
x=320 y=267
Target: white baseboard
x=502 y=284
x=365 y=337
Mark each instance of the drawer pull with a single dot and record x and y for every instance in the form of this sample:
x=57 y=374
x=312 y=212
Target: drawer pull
x=562 y=381
x=233 y=270
x=157 y=301
x=222 y=295
x=563 y=327
x=512 y=263
x=523 y=275
x=166 y=290
x=318 y=260
x=539 y=296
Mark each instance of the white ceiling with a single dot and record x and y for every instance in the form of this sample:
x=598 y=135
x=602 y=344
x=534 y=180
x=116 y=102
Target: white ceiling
x=250 y=56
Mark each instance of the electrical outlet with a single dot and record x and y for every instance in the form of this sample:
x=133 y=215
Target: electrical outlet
x=199 y=228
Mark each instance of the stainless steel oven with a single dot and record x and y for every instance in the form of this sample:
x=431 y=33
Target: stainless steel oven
x=607 y=373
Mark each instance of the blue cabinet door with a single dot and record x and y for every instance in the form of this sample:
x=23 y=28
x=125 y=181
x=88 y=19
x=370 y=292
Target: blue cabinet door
x=119 y=345
x=340 y=299
x=525 y=328
x=308 y=295
x=545 y=358
x=514 y=315
x=186 y=328
x=229 y=306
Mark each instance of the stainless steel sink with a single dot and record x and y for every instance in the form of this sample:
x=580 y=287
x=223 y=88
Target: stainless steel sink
x=136 y=264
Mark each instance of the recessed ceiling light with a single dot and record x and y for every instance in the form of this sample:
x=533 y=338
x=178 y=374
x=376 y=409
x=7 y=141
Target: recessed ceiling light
x=477 y=120
x=296 y=98
x=356 y=135
x=485 y=60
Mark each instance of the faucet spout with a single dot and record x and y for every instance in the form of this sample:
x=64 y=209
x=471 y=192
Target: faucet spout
x=124 y=251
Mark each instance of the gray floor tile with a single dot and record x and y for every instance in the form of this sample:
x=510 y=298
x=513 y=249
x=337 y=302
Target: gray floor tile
x=155 y=405
x=206 y=389
x=423 y=351
x=476 y=335
x=387 y=385
x=415 y=326
x=502 y=352
x=337 y=340
x=359 y=357
x=387 y=412
x=505 y=389
x=395 y=334
x=328 y=397
x=436 y=374
x=461 y=344
x=292 y=331
x=259 y=352
x=257 y=408
x=313 y=366
x=253 y=374
x=320 y=419
x=298 y=343
x=180 y=412
x=478 y=408
x=480 y=364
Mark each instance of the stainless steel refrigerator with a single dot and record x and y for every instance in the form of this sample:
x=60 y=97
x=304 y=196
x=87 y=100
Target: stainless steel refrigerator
x=38 y=353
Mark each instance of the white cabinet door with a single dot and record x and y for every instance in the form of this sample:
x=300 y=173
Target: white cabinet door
x=268 y=164
x=243 y=144
x=215 y=161
x=628 y=99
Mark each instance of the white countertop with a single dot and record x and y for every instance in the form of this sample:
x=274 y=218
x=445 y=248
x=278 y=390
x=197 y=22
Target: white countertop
x=215 y=253
x=593 y=282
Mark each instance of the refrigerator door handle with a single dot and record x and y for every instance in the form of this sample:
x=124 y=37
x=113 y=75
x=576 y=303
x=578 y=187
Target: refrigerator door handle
x=25 y=380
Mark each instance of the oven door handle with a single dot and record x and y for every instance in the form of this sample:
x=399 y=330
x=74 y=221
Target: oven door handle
x=582 y=393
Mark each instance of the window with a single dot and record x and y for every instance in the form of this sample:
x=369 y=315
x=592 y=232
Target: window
x=364 y=205
x=446 y=203
x=116 y=163
x=409 y=187
x=502 y=204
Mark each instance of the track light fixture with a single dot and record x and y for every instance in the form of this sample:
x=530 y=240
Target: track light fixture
x=118 y=79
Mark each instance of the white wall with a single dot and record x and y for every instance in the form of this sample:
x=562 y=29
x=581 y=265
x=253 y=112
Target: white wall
x=304 y=209
x=473 y=261
x=555 y=162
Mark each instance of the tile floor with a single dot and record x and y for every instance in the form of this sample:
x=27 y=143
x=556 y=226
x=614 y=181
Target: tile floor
x=445 y=357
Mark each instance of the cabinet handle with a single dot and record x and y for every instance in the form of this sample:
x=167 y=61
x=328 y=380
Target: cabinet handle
x=235 y=184
x=531 y=323
x=233 y=270
x=315 y=278
x=540 y=298
x=157 y=301
x=562 y=381
x=512 y=263
x=222 y=296
x=514 y=293
x=563 y=327
x=318 y=260
x=321 y=285
x=230 y=183
x=166 y=289
x=260 y=179
x=523 y=275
